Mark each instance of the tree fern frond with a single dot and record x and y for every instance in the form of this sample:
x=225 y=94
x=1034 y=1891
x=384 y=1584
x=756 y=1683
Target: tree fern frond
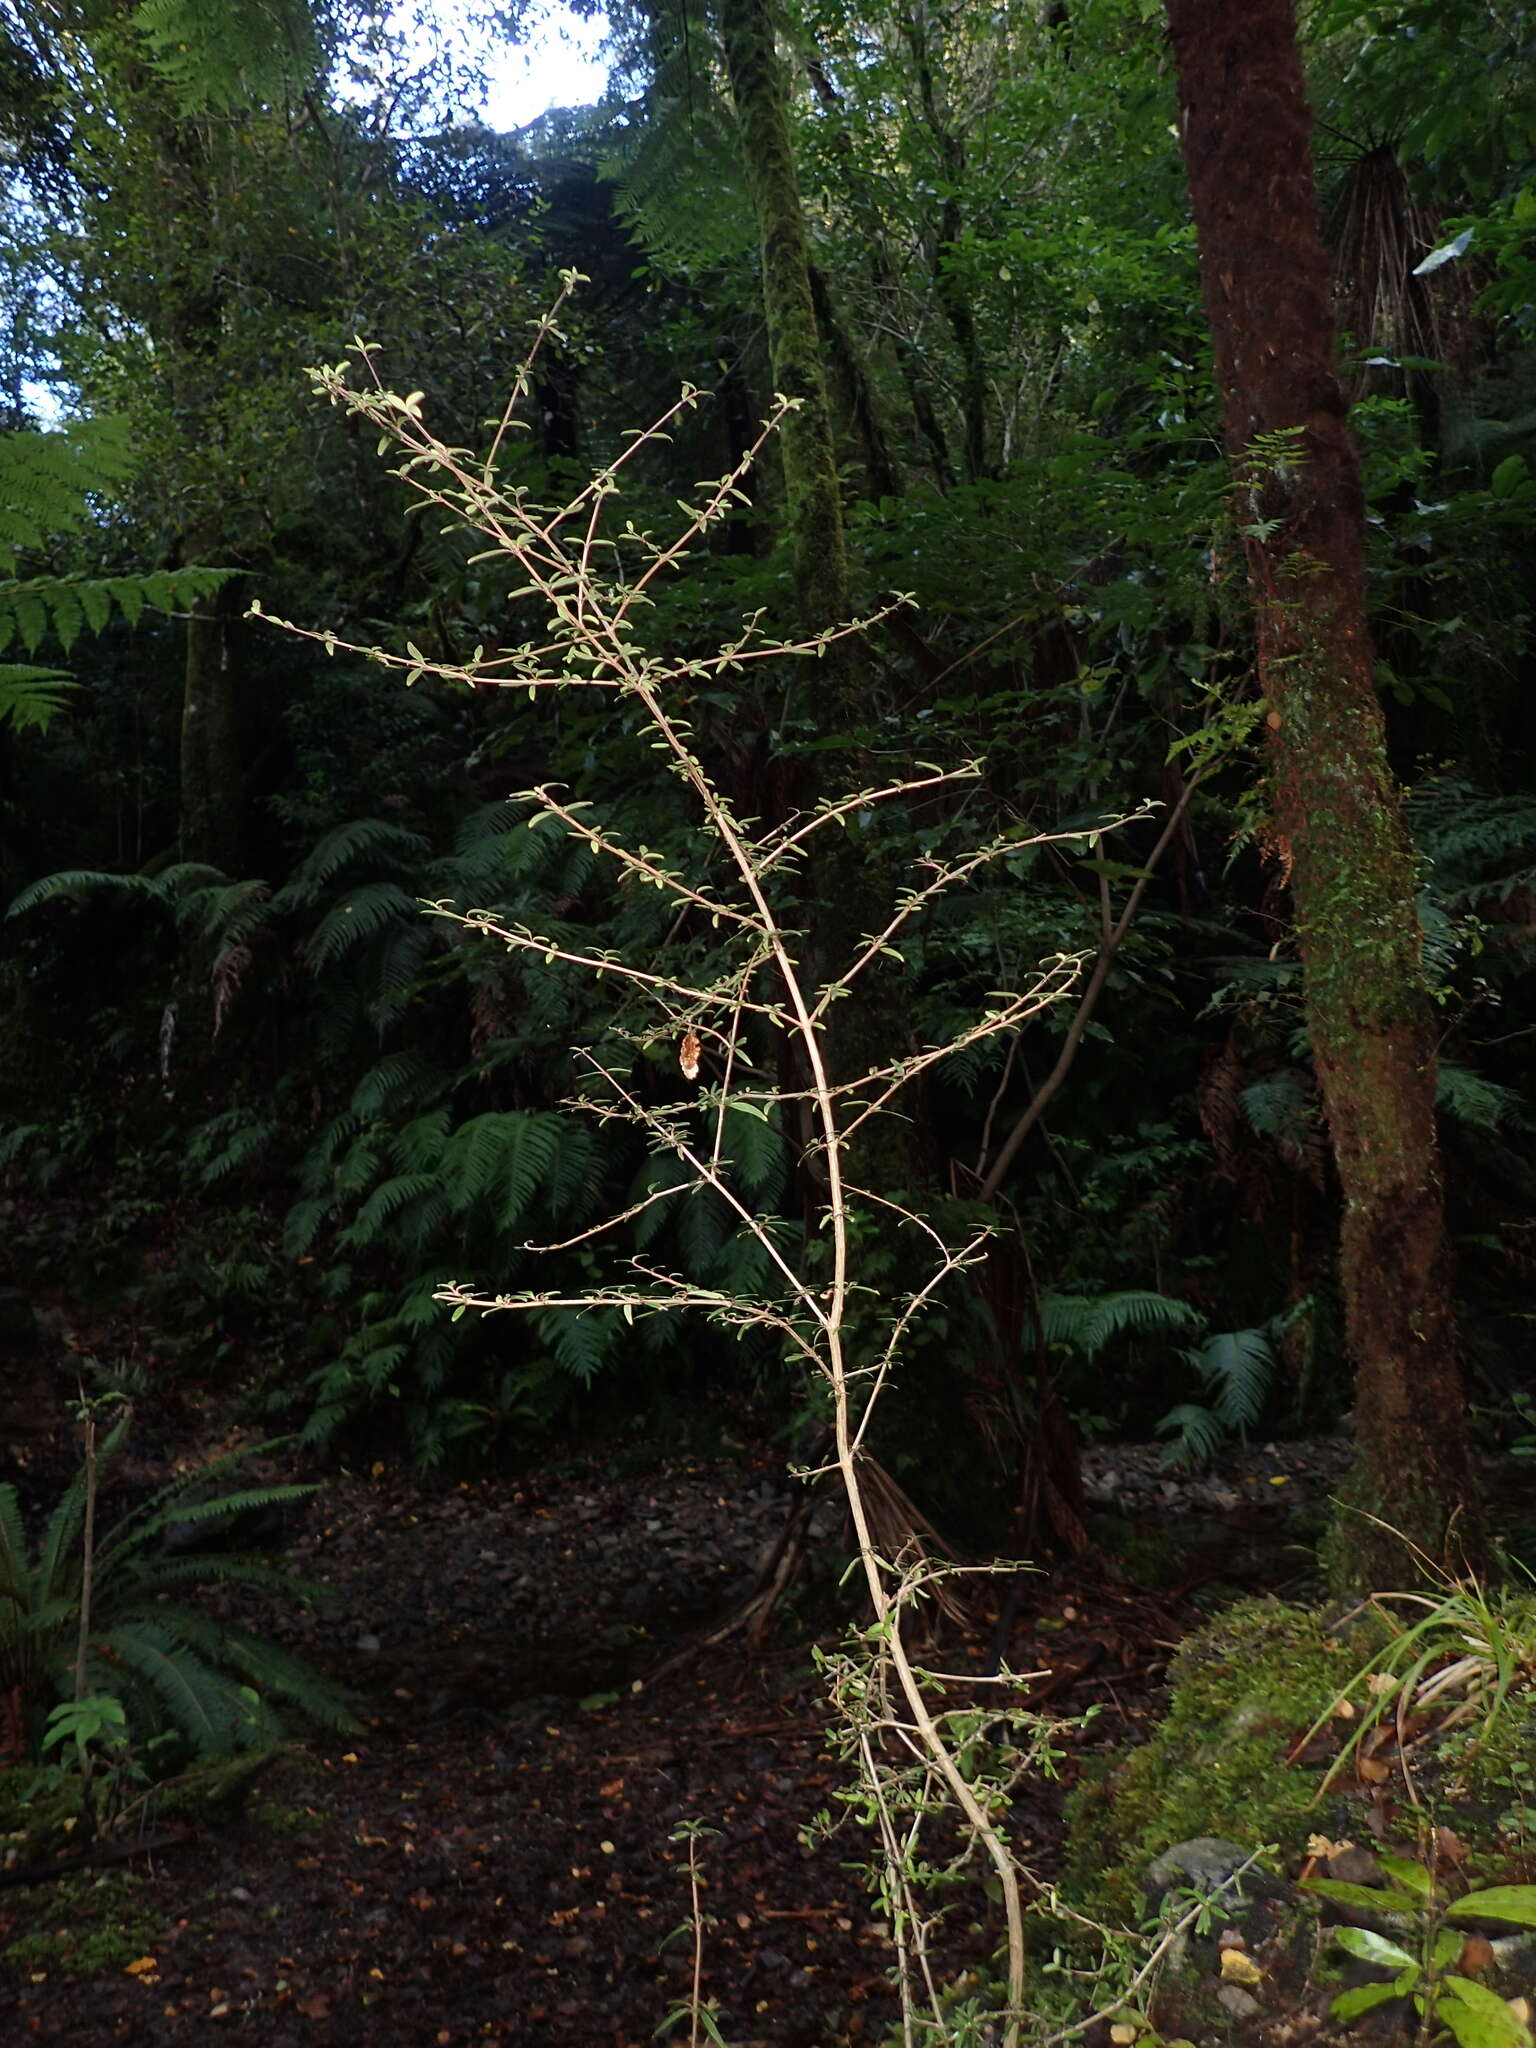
x=1197 y=1434
x=1468 y=833
x=1086 y=1323
x=1239 y=1367
x=1480 y=1104
x=574 y=1173
x=582 y=1340
x=358 y=1169
x=37 y=608
x=756 y=1151
x=31 y=698
x=231 y=915
x=397 y=972
x=703 y=1223
x=394 y=1082
x=504 y=1157
x=1282 y=1107
x=361 y=915
x=491 y=821
x=386 y=1200
x=302 y=1225
x=80 y=882
x=225 y=1143
x=418 y=1146
x=677 y=176
x=664 y=1170
x=376 y=842
x=47 y=481
x=219 y=59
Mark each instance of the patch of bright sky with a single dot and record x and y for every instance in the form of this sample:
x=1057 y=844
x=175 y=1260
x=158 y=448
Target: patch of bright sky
x=556 y=64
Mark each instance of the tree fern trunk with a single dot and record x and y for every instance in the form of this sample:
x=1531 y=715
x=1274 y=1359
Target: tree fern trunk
x=1335 y=816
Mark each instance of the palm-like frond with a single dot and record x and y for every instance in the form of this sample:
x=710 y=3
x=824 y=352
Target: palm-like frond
x=1239 y=1368
x=1086 y=1322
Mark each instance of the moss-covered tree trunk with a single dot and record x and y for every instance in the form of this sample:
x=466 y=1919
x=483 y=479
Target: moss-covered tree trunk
x=853 y=894
x=812 y=492
x=1335 y=816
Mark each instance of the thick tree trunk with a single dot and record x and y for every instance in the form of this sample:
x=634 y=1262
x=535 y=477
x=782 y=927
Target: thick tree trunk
x=1335 y=817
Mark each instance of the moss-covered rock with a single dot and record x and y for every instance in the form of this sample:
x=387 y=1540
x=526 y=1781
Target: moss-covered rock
x=1224 y=1761
x=1244 y=1690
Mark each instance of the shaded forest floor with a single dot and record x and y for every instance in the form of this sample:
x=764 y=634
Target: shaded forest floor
x=490 y=1858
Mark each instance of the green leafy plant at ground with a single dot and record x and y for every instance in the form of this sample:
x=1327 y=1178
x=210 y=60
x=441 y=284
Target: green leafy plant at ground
x=90 y=1619
x=1427 y=1973
x=84 y=1927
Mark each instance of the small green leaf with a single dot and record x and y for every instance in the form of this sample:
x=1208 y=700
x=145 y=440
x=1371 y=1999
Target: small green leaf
x=1478 y=2017
x=1364 y=1998
x=1413 y=1877
x=1513 y=1902
x=1356 y=1895
x=1373 y=1948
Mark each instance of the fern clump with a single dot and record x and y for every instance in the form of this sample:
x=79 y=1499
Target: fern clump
x=215 y=1690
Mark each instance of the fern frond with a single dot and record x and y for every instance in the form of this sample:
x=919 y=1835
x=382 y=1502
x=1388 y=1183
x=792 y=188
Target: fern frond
x=678 y=178
x=276 y=1675
x=1198 y=1434
x=703 y=1223
x=386 y=1200
x=47 y=481
x=419 y=1145
x=67 y=1519
x=37 y=608
x=400 y=1078
x=503 y=1157
x=582 y=1340
x=376 y=842
x=172 y=1511
x=192 y=1696
x=756 y=1151
x=1480 y=1104
x=15 y=1573
x=1239 y=1366
x=239 y=1142
x=1086 y=1323
x=302 y=1225
x=80 y=882
x=31 y=698
x=1470 y=834
x=397 y=972
x=361 y=915
x=1282 y=1107
x=230 y=915
x=214 y=58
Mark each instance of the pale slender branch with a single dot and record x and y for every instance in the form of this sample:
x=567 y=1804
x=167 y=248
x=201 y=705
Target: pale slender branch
x=777 y=845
